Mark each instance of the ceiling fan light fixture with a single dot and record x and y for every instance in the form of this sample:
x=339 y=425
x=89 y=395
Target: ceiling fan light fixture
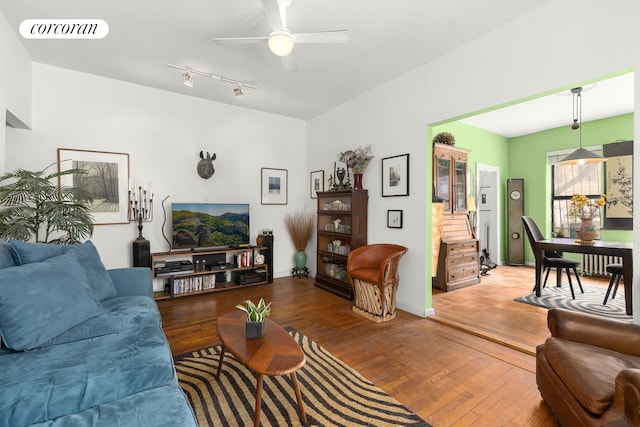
x=187 y=79
x=281 y=43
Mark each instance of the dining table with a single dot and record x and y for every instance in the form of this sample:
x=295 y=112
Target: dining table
x=623 y=250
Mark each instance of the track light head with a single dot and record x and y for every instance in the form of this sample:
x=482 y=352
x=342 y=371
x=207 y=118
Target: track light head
x=187 y=79
x=238 y=91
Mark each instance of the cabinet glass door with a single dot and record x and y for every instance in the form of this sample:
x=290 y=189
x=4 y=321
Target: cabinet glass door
x=460 y=189
x=443 y=183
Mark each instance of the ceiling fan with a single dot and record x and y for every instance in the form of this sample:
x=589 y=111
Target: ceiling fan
x=281 y=41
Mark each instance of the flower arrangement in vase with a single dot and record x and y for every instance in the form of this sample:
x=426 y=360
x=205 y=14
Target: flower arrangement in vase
x=357 y=160
x=586 y=209
x=300 y=226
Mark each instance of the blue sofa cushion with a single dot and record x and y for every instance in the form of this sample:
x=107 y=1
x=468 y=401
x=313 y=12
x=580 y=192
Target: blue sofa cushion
x=160 y=407
x=58 y=380
x=120 y=314
x=99 y=279
x=6 y=255
x=41 y=300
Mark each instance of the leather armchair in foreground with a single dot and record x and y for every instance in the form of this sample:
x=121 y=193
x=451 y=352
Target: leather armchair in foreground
x=588 y=371
x=373 y=273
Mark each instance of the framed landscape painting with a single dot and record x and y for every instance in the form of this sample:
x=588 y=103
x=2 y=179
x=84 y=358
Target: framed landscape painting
x=106 y=180
x=274 y=186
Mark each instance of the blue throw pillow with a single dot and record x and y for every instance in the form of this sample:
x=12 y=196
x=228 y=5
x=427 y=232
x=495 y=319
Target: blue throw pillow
x=99 y=279
x=6 y=255
x=41 y=300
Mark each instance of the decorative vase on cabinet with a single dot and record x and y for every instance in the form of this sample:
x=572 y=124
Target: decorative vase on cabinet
x=341 y=227
x=357 y=181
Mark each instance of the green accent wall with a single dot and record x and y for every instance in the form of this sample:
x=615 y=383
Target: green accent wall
x=526 y=157
x=528 y=160
x=487 y=148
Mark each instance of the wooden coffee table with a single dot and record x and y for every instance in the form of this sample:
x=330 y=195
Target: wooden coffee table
x=276 y=353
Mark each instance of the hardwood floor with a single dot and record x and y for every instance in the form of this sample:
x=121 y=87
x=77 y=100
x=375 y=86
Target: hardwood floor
x=446 y=375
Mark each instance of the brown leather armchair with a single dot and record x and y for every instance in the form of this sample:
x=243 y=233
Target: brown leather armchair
x=588 y=371
x=373 y=274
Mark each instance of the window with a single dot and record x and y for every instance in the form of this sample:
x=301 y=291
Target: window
x=568 y=180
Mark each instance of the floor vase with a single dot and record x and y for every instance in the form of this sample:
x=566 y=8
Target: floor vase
x=300 y=259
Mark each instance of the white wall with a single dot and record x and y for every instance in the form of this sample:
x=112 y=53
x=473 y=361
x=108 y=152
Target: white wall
x=163 y=133
x=15 y=83
x=563 y=42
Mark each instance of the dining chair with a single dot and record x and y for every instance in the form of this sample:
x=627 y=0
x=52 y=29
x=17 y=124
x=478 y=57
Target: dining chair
x=552 y=259
x=616 y=274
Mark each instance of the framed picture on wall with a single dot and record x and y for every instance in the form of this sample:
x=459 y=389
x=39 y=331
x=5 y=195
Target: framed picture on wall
x=395 y=176
x=618 y=185
x=316 y=183
x=394 y=218
x=106 y=181
x=274 y=186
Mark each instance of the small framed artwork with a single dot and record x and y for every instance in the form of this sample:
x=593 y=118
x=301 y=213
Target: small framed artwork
x=106 y=180
x=394 y=218
x=274 y=186
x=395 y=176
x=317 y=183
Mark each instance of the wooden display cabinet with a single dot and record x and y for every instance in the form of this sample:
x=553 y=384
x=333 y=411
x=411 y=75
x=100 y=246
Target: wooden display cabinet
x=459 y=256
x=206 y=271
x=450 y=177
x=341 y=227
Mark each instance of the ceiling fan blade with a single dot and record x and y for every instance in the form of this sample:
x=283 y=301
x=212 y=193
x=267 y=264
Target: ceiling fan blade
x=336 y=36
x=276 y=11
x=288 y=63
x=239 y=40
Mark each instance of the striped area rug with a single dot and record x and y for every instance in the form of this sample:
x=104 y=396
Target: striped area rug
x=589 y=302
x=332 y=392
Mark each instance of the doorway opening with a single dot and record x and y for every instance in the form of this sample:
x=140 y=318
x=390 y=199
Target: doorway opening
x=488 y=211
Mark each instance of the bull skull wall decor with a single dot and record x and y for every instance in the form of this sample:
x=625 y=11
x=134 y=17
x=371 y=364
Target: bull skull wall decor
x=205 y=165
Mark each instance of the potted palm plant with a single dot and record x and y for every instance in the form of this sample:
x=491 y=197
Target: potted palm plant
x=32 y=206
x=255 y=317
x=300 y=226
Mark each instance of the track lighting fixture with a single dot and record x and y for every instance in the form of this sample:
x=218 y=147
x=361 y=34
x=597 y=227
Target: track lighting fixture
x=581 y=156
x=187 y=78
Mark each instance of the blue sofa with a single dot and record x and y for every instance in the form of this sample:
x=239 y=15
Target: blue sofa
x=82 y=345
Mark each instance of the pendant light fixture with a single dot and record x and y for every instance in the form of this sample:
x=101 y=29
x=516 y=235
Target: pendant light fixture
x=581 y=156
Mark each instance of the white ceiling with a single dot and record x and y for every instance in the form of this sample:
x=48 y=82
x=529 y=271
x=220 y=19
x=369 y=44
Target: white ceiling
x=386 y=39
x=605 y=98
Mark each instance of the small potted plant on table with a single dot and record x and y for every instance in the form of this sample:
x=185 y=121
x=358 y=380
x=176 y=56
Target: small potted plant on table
x=255 y=317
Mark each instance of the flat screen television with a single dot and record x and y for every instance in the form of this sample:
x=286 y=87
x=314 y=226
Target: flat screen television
x=209 y=225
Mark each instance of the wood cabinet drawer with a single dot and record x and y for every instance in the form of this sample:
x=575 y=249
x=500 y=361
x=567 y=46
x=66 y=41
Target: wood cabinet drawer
x=456 y=248
x=468 y=258
x=462 y=272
